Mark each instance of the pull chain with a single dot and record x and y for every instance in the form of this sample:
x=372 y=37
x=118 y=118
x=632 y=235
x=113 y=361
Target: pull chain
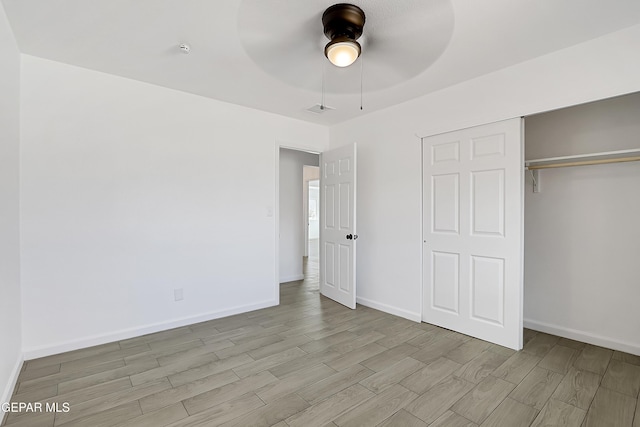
x=361 y=67
x=324 y=67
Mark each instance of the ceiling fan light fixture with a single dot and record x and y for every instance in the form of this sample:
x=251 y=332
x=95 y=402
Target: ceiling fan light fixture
x=342 y=51
x=343 y=24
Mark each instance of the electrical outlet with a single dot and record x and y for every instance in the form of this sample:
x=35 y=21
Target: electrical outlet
x=178 y=295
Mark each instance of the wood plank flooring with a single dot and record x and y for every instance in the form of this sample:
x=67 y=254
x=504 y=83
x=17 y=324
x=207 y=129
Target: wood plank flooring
x=311 y=362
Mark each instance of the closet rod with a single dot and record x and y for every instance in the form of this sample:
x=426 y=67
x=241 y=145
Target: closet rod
x=586 y=162
x=585 y=156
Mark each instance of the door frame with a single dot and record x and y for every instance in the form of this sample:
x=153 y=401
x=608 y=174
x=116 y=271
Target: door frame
x=276 y=209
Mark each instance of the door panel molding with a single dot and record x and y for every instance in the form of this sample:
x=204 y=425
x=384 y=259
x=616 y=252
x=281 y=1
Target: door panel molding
x=473 y=231
x=338 y=225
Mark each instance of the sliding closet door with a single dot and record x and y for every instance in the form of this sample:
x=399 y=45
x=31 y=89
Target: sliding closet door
x=473 y=232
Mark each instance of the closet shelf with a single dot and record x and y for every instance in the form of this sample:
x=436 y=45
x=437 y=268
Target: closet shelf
x=619 y=156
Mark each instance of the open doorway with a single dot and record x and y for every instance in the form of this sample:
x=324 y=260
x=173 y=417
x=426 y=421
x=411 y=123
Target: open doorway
x=334 y=275
x=296 y=170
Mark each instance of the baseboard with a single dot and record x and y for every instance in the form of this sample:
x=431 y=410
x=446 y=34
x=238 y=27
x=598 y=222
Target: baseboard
x=416 y=317
x=293 y=278
x=48 y=350
x=11 y=385
x=590 y=338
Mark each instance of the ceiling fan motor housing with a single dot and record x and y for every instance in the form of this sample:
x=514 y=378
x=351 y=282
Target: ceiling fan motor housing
x=343 y=20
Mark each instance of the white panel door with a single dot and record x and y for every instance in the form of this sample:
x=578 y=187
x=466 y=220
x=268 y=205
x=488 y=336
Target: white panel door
x=338 y=225
x=473 y=232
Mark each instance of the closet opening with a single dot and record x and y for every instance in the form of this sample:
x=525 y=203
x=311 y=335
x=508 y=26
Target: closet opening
x=581 y=227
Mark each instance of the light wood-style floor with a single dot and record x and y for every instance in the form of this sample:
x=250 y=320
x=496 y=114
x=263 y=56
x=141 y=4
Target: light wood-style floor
x=311 y=362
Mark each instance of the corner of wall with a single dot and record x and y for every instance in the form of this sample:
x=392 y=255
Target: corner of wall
x=11 y=357
x=11 y=384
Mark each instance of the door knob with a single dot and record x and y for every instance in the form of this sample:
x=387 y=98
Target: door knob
x=349 y=236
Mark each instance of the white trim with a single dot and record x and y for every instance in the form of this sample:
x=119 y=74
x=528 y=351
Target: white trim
x=523 y=185
x=48 y=350
x=422 y=240
x=561 y=331
x=321 y=259
x=11 y=385
x=293 y=278
x=416 y=317
x=276 y=227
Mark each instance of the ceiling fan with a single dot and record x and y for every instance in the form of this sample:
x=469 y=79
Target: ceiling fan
x=292 y=40
x=343 y=24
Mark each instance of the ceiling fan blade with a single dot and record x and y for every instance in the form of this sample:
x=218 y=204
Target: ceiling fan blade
x=401 y=39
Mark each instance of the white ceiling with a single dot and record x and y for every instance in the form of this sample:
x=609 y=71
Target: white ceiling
x=242 y=50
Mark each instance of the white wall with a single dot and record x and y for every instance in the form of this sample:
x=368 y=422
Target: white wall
x=292 y=204
x=389 y=266
x=10 y=318
x=582 y=234
x=130 y=191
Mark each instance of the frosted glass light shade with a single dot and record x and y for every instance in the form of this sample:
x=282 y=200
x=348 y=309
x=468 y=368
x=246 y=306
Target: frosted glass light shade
x=342 y=53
